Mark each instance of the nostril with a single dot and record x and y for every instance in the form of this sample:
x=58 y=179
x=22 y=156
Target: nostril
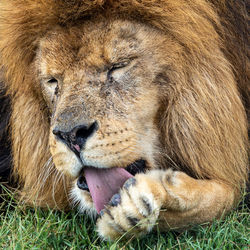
x=84 y=132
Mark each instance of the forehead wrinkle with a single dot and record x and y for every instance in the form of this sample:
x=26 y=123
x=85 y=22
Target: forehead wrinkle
x=97 y=46
x=92 y=53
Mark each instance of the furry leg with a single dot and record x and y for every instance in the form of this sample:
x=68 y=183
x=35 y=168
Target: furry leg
x=167 y=198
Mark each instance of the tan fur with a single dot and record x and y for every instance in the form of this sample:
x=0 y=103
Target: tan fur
x=176 y=202
x=192 y=119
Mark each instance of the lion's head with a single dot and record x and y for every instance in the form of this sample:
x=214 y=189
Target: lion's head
x=102 y=82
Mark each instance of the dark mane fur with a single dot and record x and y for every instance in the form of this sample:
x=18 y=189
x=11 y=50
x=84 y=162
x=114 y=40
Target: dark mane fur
x=235 y=33
x=5 y=148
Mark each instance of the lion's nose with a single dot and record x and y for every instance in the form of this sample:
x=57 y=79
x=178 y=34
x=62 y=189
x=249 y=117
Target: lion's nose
x=77 y=137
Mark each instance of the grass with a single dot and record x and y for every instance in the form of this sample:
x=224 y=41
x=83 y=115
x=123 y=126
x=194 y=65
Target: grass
x=31 y=228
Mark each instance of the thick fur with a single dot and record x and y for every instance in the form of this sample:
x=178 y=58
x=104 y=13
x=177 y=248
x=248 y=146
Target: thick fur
x=5 y=144
x=5 y=147
x=201 y=119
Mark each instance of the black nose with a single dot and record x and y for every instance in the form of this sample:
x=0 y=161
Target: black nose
x=77 y=137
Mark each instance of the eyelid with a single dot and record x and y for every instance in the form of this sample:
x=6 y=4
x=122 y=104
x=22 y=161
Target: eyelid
x=123 y=62
x=117 y=66
x=120 y=65
x=46 y=79
x=52 y=80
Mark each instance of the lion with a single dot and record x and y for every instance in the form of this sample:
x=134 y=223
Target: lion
x=128 y=109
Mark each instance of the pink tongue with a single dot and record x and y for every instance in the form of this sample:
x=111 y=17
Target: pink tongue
x=104 y=183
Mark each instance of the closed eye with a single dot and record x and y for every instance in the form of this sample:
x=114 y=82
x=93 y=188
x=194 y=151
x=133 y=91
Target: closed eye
x=115 y=67
x=52 y=81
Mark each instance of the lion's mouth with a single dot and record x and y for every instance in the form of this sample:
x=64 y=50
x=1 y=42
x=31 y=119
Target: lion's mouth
x=134 y=168
x=104 y=183
x=137 y=167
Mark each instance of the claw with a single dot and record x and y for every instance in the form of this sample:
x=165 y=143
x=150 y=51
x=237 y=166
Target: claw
x=129 y=182
x=115 y=200
x=102 y=212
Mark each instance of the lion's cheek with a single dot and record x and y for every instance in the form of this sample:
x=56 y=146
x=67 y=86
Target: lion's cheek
x=65 y=160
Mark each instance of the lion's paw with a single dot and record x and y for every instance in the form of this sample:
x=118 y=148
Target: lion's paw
x=134 y=210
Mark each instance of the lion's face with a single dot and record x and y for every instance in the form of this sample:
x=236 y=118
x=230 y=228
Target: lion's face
x=101 y=82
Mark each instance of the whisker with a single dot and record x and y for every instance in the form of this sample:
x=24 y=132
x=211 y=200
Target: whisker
x=55 y=182
x=48 y=168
